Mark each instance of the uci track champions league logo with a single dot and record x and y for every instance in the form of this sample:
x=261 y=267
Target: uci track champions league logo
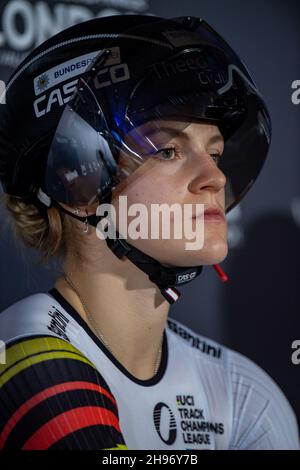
x=187 y=423
x=25 y=24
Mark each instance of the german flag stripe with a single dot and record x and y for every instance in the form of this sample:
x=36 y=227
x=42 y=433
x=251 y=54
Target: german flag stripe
x=30 y=348
x=23 y=355
x=23 y=347
x=43 y=375
x=68 y=422
x=91 y=438
x=119 y=447
x=45 y=395
x=47 y=410
x=51 y=395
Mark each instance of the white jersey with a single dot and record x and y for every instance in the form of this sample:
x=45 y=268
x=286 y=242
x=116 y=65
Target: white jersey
x=204 y=395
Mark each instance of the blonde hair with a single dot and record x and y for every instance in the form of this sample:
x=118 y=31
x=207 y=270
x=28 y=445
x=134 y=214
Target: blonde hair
x=50 y=237
x=54 y=237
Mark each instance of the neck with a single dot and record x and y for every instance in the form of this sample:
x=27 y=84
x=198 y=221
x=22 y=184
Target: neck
x=121 y=302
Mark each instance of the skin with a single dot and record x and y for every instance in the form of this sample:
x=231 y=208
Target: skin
x=128 y=309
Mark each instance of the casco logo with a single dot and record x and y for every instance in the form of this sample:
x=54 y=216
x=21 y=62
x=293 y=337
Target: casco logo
x=61 y=96
x=109 y=75
x=165 y=423
x=186 y=277
x=54 y=77
x=57 y=97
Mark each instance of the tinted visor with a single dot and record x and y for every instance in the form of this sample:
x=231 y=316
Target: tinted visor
x=185 y=77
x=81 y=166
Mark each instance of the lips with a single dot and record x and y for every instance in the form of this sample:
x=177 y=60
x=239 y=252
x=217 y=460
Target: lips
x=216 y=212
x=212 y=213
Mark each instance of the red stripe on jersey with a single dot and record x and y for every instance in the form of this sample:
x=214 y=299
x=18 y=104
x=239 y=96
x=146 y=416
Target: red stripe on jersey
x=68 y=422
x=47 y=393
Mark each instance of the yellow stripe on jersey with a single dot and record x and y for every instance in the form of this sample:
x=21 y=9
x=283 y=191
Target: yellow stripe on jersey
x=17 y=355
x=119 y=447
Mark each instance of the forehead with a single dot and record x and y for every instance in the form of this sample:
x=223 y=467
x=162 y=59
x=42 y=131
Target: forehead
x=176 y=128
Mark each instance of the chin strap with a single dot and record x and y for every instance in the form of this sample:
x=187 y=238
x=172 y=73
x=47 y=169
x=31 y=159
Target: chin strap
x=166 y=278
x=222 y=276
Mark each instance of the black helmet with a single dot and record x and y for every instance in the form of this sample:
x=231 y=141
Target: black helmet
x=77 y=102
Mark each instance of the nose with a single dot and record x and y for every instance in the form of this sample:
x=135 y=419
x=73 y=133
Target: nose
x=207 y=176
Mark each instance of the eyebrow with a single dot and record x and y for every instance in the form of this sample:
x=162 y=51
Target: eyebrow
x=174 y=132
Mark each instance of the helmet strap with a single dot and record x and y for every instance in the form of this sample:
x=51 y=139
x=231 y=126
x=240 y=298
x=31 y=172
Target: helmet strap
x=165 y=278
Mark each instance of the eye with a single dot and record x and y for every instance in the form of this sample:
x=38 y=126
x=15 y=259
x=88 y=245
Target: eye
x=216 y=157
x=169 y=153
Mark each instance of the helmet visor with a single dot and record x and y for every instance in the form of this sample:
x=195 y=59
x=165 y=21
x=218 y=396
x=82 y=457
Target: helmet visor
x=185 y=77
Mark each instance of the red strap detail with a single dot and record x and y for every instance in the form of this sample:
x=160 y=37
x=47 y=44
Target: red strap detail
x=220 y=273
x=43 y=395
x=68 y=422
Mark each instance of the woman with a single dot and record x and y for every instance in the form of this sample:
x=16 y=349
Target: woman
x=164 y=112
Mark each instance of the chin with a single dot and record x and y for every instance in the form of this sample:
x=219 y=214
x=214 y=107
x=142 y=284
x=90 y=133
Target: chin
x=205 y=257
x=214 y=258
x=174 y=253
x=214 y=251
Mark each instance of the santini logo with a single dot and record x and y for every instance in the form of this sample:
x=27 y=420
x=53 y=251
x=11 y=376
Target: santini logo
x=185 y=277
x=58 y=322
x=195 y=340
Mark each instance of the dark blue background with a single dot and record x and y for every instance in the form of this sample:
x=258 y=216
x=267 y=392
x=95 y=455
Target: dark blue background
x=257 y=311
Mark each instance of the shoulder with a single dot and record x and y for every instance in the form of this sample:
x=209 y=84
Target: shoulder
x=51 y=394
x=206 y=348
x=35 y=314
x=263 y=417
x=260 y=413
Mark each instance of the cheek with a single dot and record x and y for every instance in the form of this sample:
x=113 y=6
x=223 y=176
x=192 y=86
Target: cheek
x=140 y=198
x=150 y=185
x=221 y=197
x=146 y=191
